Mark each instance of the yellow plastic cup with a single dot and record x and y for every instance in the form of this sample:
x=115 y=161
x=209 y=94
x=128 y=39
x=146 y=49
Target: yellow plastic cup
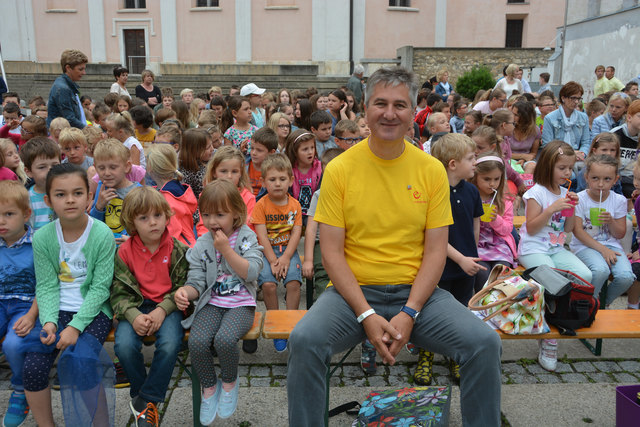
x=488 y=210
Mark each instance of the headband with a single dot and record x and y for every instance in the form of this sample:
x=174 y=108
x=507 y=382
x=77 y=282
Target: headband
x=301 y=135
x=490 y=158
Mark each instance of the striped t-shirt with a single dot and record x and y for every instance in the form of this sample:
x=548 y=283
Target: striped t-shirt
x=239 y=297
x=41 y=214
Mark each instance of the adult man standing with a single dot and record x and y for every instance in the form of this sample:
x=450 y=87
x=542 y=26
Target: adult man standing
x=384 y=212
x=355 y=82
x=613 y=83
x=601 y=81
x=64 y=97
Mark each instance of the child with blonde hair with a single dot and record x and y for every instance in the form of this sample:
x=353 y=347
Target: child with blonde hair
x=74 y=146
x=120 y=127
x=12 y=159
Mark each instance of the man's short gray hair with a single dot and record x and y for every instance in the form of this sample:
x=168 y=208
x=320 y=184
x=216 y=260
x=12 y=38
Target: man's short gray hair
x=393 y=76
x=358 y=69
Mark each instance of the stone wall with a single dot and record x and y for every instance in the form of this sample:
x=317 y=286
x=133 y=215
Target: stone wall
x=426 y=61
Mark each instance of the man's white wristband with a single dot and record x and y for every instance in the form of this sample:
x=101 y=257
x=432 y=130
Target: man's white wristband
x=366 y=314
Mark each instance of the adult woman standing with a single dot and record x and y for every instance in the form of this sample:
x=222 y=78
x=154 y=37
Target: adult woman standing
x=510 y=83
x=121 y=75
x=443 y=88
x=147 y=91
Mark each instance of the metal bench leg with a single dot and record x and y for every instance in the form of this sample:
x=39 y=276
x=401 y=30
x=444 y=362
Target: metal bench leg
x=597 y=350
x=195 y=391
x=310 y=291
x=330 y=373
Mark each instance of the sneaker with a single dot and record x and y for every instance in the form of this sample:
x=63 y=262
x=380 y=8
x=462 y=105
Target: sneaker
x=122 y=380
x=228 y=401
x=454 y=369
x=368 y=358
x=411 y=348
x=209 y=406
x=548 y=356
x=148 y=417
x=250 y=346
x=17 y=411
x=280 y=344
x=423 y=375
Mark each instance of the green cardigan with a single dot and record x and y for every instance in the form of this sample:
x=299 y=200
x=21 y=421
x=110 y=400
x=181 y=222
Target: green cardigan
x=99 y=252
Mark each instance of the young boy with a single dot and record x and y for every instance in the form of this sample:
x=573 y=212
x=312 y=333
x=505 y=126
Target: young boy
x=321 y=129
x=142 y=118
x=100 y=113
x=278 y=222
x=11 y=117
x=74 y=146
x=347 y=135
x=254 y=95
x=264 y=142
x=56 y=127
x=18 y=308
x=457 y=152
x=149 y=268
x=38 y=155
x=111 y=160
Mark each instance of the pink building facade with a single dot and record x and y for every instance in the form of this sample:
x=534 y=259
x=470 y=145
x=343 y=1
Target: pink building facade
x=330 y=33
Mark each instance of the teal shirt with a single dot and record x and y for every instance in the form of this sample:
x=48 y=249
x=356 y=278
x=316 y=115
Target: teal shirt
x=99 y=252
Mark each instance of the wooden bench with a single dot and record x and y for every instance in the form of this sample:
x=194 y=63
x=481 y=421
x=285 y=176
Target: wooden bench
x=253 y=334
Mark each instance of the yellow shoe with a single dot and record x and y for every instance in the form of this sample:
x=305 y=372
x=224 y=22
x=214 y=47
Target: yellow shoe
x=454 y=368
x=423 y=375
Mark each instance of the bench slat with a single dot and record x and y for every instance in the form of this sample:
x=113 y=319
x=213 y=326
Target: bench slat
x=280 y=323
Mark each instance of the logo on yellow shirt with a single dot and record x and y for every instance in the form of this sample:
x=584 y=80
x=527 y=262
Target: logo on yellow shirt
x=416 y=194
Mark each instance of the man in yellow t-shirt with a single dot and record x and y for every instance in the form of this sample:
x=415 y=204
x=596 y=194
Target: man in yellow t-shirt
x=384 y=213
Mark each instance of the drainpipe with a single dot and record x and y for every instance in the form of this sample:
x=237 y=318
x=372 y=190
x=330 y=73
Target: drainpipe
x=564 y=37
x=351 y=37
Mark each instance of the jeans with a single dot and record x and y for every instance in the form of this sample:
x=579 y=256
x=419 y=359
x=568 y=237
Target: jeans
x=623 y=276
x=10 y=311
x=151 y=387
x=562 y=259
x=444 y=326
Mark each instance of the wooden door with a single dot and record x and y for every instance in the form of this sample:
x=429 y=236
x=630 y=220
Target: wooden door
x=134 y=48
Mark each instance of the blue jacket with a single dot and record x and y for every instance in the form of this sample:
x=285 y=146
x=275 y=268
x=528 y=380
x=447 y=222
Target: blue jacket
x=553 y=128
x=603 y=123
x=63 y=102
x=442 y=91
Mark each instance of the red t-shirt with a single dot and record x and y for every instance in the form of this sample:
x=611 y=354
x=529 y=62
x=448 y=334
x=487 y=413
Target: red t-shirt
x=254 y=178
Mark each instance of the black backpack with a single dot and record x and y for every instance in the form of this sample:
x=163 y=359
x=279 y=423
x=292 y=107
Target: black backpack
x=575 y=308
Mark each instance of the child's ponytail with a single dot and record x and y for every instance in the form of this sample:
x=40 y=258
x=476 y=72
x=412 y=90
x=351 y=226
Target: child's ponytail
x=162 y=163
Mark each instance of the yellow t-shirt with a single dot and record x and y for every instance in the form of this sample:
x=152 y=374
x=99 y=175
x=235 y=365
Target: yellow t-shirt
x=384 y=207
x=146 y=139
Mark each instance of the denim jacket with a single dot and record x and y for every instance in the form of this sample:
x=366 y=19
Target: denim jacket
x=603 y=123
x=63 y=102
x=553 y=129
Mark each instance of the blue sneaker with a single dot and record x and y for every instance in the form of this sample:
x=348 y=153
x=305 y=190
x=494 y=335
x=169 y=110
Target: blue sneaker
x=209 y=406
x=229 y=401
x=17 y=411
x=280 y=344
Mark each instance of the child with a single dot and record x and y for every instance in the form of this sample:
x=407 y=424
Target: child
x=100 y=113
x=628 y=134
x=92 y=135
x=224 y=265
x=123 y=104
x=525 y=139
x=436 y=123
x=278 y=224
x=614 y=117
x=56 y=127
x=119 y=126
x=486 y=139
x=307 y=170
x=542 y=235
x=605 y=143
x=457 y=154
x=30 y=127
x=38 y=156
x=196 y=152
x=265 y=142
x=18 y=308
x=633 y=294
x=149 y=269
x=142 y=118
x=74 y=146
x=163 y=169
x=322 y=130
x=112 y=164
x=11 y=117
x=600 y=222
x=6 y=173
x=546 y=104
x=74 y=272
x=361 y=120
x=496 y=244
x=457 y=119
x=253 y=93
x=239 y=133
x=12 y=159
x=472 y=120
x=348 y=134
x=171 y=135
x=281 y=125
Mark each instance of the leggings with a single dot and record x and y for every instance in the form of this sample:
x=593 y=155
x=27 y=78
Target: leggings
x=222 y=327
x=38 y=365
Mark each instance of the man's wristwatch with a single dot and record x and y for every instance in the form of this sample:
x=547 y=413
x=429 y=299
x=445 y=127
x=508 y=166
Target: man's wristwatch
x=410 y=311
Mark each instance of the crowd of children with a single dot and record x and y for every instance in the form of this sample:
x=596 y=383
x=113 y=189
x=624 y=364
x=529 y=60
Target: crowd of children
x=181 y=214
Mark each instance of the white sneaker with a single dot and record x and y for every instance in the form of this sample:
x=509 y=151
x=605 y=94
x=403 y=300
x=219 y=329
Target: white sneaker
x=209 y=406
x=548 y=356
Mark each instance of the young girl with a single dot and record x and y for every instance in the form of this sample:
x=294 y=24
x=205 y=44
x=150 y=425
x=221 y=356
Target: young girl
x=225 y=263
x=548 y=214
x=600 y=222
x=284 y=97
x=525 y=139
x=237 y=130
x=472 y=120
x=496 y=244
x=486 y=139
x=196 y=151
x=614 y=117
x=123 y=104
x=228 y=164
x=6 y=173
x=29 y=127
x=302 y=114
x=74 y=272
x=628 y=134
x=339 y=109
x=604 y=143
x=163 y=169
x=281 y=125
x=457 y=119
x=12 y=159
x=120 y=127
x=307 y=170
x=436 y=123
x=361 y=120
x=182 y=114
